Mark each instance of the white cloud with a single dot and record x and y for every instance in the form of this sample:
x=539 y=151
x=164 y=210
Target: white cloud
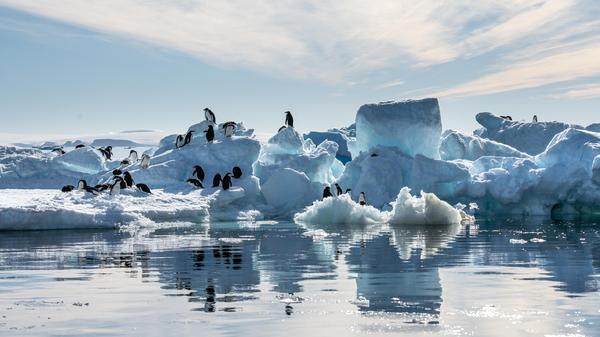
x=586 y=91
x=565 y=66
x=339 y=41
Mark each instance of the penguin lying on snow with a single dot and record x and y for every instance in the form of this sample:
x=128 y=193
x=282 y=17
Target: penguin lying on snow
x=67 y=188
x=79 y=146
x=508 y=118
x=83 y=186
x=195 y=182
x=59 y=151
x=106 y=152
x=143 y=188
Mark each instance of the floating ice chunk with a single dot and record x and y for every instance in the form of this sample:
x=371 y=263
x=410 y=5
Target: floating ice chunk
x=572 y=147
x=287 y=190
x=360 y=301
x=456 y=145
x=412 y=126
x=425 y=210
x=517 y=241
x=530 y=138
x=339 y=210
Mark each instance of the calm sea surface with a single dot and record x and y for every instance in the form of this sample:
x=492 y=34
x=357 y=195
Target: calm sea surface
x=495 y=278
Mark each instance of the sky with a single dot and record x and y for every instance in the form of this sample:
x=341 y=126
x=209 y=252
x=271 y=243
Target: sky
x=95 y=66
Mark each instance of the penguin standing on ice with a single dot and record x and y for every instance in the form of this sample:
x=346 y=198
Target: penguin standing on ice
x=198 y=172
x=145 y=163
x=188 y=137
x=195 y=182
x=237 y=172
x=226 y=182
x=133 y=156
x=289 y=119
x=338 y=189
x=122 y=183
x=327 y=192
x=209 y=115
x=210 y=134
x=115 y=188
x=179 y=141
x=229 y=129
x=216 y=180
x=535 y=120
x=128 y=179
x=362 y=199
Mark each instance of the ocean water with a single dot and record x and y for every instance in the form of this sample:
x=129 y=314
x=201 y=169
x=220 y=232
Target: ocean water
x=494 y=278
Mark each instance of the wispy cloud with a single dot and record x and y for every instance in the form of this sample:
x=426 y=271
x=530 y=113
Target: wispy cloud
x=565 y=66
x=585 y=91
x=339 y=41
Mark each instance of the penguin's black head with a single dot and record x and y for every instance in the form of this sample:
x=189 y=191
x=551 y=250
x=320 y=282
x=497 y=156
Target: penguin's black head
x=337 y=185
x=116 y=172
x=127 y=174
x=207 y=110
x=287 y=112
x=109 y=148
x=196 y=167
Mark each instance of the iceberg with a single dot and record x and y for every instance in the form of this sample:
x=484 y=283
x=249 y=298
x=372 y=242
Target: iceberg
x=455 y=145
x=413 y=126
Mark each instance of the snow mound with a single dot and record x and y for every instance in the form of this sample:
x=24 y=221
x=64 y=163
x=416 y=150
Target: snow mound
x=425 y=210
x=530 y=138
x=50 y=209
x=456 y=145
x=414 y=127
x=339 y=210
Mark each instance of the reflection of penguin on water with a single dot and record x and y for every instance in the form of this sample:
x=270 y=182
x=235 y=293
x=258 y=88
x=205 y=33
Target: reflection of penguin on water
x=289 y=119
x=535 y=119
x=338 y=189
x=327 y=192
x=210 y=134
x=362 y=199
x=209 y=306
x=209 y=115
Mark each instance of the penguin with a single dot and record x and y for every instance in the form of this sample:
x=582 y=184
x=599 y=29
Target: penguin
x=117 y=172
x=125 y=162
x=104 y=153
x=327 y=192
x=289 y=119
x=128 y=179
x=145 y=163
x=209 y=115
x=102 y=187
x=216 y=180
x=535 y=120
x=281 y=128
x=229 y=128
x=122 y=183
x=237 y=172
x=362 y=199
x=508 y=118
x=59 y=151
x=198 y=172
x=115 y=188
x=348 y=191
x=338 y=189
x=210 y=134
x=83 y=186
x=195 y=182
x=179 y=141
x=188 y=137
x=133 y=156
x=144 y=188
x=374 y=155
x=79 y=146
x=67 y=188
x=226 y=182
